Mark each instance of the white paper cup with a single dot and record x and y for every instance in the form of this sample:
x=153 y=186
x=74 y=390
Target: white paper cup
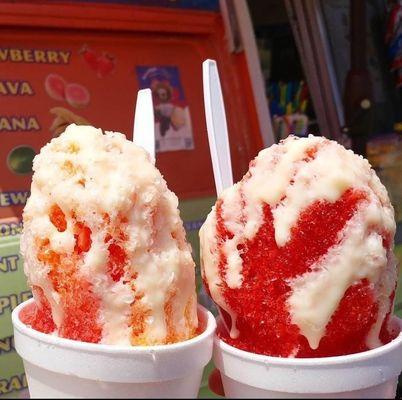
x=370 y=374
x=63 y=368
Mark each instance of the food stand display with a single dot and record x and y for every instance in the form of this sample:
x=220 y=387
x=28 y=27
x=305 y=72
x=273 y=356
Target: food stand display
x=83 y=63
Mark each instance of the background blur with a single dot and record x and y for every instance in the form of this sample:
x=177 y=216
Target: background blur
x=327 y=67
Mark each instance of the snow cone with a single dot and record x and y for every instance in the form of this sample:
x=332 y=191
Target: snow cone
x=114 y=310
x=298 y=256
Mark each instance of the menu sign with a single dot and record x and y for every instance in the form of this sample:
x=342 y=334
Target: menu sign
x=42 y=90
x=13 y=291
x=23 y=130
x=50 y=79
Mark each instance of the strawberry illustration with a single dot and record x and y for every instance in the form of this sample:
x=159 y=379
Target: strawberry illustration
x=103 y=64
x=106 y=64
x=89 y=56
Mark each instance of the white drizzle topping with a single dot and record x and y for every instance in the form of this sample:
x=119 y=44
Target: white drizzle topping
x=91 y=174
x=287 y=179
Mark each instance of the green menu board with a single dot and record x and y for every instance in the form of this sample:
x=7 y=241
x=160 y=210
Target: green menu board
x=13 y=291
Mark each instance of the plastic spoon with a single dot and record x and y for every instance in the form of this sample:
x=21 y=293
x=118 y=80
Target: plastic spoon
x=217 y=127
x=218 y=140
x=144 y=123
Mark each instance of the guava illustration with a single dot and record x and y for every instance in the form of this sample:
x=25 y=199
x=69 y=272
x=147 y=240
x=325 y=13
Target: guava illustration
x=20 y=159
x=77 y=95
x=55 y=87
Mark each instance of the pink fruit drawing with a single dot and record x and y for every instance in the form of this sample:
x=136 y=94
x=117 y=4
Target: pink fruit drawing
x=90 y=57
x=77 y=95
x=55 y=87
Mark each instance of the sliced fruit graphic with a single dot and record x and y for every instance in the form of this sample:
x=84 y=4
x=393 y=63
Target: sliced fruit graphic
x=77 y=95
x=106 y=65
x=55 y=87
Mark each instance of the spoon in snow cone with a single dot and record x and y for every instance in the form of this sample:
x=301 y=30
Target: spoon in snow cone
x=218 y=140
x=144 y=123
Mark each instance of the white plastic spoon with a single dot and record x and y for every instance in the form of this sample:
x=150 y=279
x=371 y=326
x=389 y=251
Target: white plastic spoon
x=144 y=123
x=218 y=140
x=216 y=126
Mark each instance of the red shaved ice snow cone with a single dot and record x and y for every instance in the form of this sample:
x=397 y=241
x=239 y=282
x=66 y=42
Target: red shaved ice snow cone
x=106 y=257
x=298 y=256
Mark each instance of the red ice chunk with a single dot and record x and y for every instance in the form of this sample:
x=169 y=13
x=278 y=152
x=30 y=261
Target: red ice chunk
x=117 y=261
x=81 y=310
x=79 y=304
x=38 y=315
x=82 y=238
x=58 y=218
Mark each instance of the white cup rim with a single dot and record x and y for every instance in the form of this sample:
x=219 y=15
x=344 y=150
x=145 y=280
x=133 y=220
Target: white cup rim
x=210 y=326
x=312 y=362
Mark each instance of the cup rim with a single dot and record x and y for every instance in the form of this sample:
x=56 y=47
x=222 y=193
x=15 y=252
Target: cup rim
x=53 y=340
x=314 y=361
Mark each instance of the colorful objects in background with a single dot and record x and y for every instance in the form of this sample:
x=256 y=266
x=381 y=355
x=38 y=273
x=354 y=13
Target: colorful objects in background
x=393 y=39
x=288 y=97
x=385 y=155
x=288 y=105
x=295 y=124
x=173 y=129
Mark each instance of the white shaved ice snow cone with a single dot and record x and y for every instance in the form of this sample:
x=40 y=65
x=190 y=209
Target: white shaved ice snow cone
x=114 y=312
x=104 y=247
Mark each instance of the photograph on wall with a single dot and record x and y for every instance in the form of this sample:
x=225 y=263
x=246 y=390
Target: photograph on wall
x=173 y=129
